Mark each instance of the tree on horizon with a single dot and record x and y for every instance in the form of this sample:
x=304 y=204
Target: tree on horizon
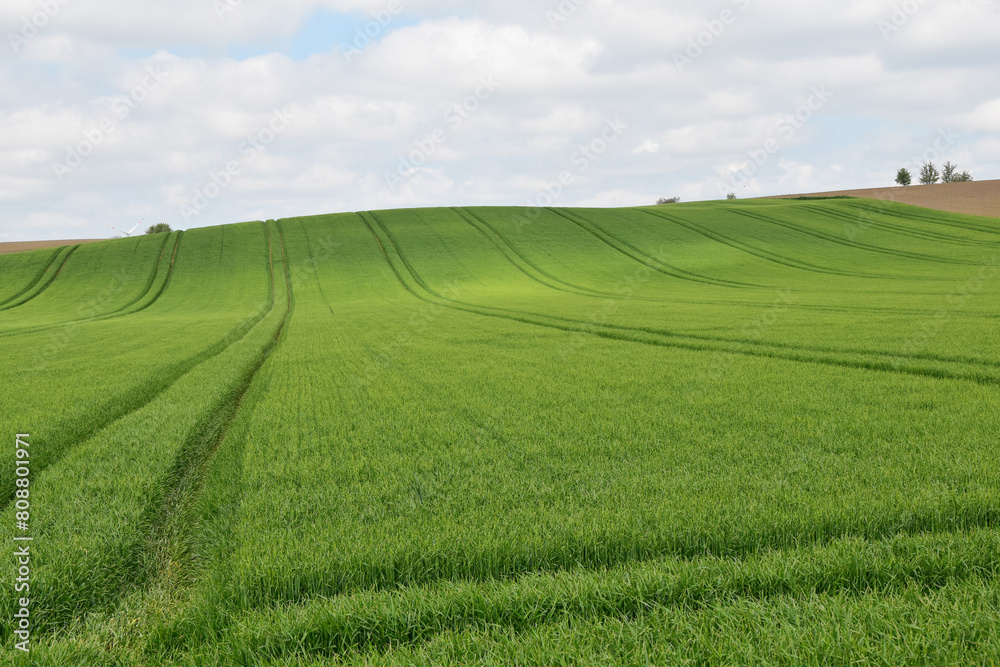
x=929 y=174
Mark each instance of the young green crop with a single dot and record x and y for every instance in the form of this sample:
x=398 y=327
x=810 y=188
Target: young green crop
x=20 y=272
x=98 y=280
x=116 y=504
x=64 y=383
x=735 y=431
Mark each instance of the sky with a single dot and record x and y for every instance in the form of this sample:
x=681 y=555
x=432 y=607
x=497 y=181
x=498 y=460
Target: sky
x=118 y=113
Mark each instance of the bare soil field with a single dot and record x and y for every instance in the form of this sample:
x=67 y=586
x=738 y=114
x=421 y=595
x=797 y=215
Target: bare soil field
x=973 y=198
x=19 y=246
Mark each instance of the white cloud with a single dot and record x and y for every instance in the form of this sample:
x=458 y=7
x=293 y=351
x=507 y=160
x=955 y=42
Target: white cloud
x=615 y=198
x=985 y=117
x=48 y=224
x=647 y=146
x=554 y=90
x=469 y=49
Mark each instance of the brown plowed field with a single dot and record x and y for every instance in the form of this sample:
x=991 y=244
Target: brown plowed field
x=974 y=198
x=18 y=246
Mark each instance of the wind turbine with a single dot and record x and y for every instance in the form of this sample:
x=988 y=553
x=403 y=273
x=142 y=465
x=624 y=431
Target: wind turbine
x=129 y=232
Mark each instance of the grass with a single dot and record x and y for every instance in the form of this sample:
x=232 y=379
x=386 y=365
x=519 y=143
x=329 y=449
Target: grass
x=750 y=432
x=22 y=271
x=123 y=363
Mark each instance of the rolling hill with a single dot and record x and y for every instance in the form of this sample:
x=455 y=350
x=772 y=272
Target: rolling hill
x=971 y=198
x=22 y=246
x=755 y=431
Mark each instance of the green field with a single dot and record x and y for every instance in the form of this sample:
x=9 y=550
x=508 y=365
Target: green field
x=712 y=433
